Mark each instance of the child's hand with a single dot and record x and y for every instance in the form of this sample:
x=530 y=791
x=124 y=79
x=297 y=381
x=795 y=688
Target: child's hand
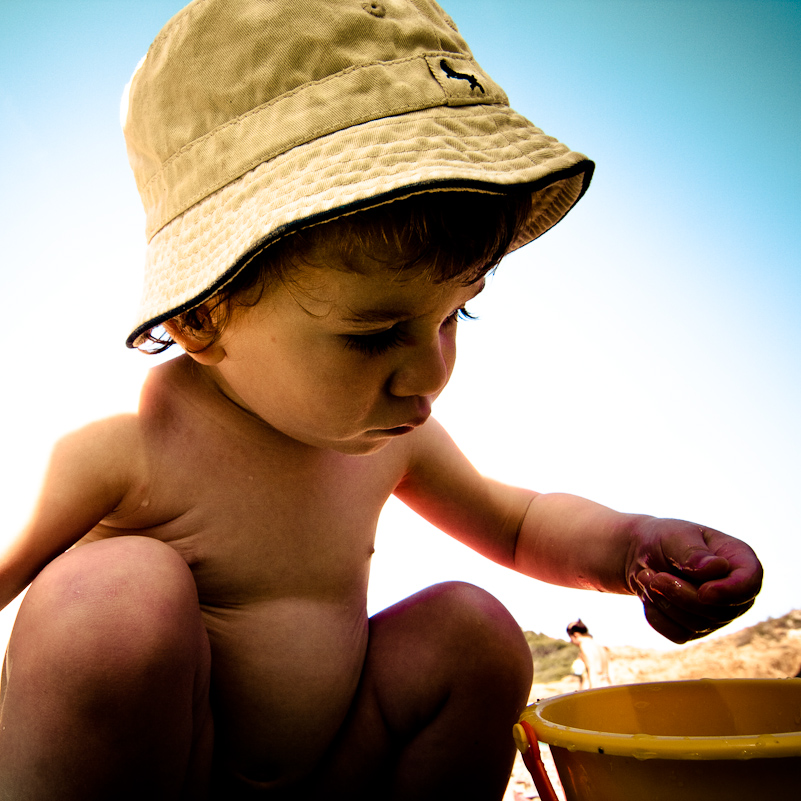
x=692 y=580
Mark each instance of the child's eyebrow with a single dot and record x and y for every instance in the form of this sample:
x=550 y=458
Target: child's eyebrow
x=376 y=316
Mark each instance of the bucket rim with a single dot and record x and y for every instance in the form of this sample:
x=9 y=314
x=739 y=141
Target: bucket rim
x=648 y=746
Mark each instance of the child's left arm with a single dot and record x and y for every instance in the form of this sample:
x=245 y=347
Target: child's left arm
x=691 y=579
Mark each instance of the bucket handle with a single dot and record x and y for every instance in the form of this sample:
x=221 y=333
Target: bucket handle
x=529 y=747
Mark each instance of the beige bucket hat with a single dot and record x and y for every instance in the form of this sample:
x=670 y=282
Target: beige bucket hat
x=249 y=119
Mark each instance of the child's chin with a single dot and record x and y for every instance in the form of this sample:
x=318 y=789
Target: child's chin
x=366 y=444
x=360 y=447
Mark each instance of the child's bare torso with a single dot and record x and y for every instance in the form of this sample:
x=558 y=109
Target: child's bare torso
x=279 y=538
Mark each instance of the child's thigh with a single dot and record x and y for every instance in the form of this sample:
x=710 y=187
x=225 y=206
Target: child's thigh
x=445 y=667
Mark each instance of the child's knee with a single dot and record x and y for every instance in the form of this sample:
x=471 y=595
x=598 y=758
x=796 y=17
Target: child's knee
x=480 y=621
x=118 y=602
x=469 y=626
x=112 y=573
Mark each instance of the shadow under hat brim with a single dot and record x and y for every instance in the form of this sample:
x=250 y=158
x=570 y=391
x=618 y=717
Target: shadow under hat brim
x=479 y=148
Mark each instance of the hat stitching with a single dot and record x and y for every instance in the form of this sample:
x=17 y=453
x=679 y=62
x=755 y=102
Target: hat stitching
x=286 y=95
x=169 y=210
x=398 y=153
x=343 y=198
x=349 y=158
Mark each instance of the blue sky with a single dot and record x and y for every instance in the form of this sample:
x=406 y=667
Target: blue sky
x=645 y=353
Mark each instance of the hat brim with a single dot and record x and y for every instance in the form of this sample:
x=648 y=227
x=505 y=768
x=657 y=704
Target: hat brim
x=487 y=148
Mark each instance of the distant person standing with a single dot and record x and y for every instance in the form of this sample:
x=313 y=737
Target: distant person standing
x=594 y=656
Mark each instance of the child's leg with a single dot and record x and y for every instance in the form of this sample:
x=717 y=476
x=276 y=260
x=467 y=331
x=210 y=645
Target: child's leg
x=447 y=674
x=105 y=686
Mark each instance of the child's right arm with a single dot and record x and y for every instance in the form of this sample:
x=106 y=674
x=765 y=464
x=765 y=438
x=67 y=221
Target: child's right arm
x=87 y=478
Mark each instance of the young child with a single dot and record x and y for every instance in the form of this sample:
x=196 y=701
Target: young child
x=326 y=185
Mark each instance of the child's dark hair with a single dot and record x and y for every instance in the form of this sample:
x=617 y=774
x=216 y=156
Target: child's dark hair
x=447 y=235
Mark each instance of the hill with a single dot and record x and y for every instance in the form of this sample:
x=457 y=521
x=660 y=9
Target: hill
x=770 y=649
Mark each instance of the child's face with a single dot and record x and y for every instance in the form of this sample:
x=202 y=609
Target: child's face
x=344 y=360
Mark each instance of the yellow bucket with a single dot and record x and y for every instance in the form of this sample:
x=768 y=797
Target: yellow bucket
x=705 y=740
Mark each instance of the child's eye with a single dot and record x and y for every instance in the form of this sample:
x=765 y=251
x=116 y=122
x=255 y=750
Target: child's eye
x=375 y=344
x=460 y=314
x=382 y=341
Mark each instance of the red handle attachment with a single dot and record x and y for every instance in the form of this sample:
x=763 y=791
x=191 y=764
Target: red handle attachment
x=533 y=761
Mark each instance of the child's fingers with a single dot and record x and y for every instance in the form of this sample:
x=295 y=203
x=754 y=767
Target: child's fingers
x=739 y=587
x=701 y=566
x=673 y=607
x=674 y=592
x=668 y=627
x=725 y=569
x=744 y=579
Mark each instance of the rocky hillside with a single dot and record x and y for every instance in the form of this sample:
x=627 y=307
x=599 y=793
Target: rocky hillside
x=770 y=649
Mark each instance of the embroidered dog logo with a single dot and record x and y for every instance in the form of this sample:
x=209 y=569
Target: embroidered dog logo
x=461 y=76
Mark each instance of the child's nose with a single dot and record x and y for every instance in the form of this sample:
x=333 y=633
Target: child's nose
x=424 y=368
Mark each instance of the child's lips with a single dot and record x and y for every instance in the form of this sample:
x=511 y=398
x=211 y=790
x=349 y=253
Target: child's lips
x=407 y=428
x=398 y=430
x=389 y=432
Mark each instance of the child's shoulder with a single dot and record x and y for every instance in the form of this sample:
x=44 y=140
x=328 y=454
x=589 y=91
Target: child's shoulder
x=177 y=399
x=112 y=457
x=111 y=464
x=117 y=442
x=91 y=470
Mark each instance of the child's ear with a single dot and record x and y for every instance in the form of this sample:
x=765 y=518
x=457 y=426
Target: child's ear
x=200 y=344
